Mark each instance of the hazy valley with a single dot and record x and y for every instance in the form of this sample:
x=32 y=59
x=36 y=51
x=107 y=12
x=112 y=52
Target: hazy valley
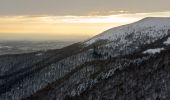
x=16 y=46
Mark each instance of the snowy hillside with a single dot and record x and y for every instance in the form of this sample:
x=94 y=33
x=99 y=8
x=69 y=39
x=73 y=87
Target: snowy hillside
x=150 y=25
x=122 y=63
x=129 y=38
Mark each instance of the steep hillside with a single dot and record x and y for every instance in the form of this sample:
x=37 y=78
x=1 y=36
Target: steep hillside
x=127 y=78
x=129 y=62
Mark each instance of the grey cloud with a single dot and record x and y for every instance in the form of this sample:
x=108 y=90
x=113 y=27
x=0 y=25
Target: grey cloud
x=78 y=7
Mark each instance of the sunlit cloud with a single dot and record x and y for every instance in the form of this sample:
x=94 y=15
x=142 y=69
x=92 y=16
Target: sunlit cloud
x=111 y=12
x=117 y=18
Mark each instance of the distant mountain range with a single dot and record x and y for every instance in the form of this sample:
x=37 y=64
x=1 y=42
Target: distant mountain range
x=129 y=62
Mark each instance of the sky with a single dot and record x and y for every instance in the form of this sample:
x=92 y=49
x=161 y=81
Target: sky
x=72 y=19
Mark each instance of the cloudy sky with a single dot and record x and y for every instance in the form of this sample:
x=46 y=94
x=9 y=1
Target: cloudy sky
x=79 y=7
x=72 y=19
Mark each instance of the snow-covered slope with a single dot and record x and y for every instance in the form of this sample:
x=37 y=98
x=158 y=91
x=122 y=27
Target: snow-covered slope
x=122 y=61
x=129 y=38
x=146 y=25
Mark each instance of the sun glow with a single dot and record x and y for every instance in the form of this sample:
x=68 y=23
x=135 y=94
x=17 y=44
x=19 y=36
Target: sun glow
x=60 y=24
x=66 y=26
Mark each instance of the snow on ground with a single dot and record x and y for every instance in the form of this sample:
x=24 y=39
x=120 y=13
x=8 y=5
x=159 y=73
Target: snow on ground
x=167 y=42
x=153 y=51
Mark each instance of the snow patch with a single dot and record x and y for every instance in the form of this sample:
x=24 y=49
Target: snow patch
x=153 y=51
x=167 y=42
x=39 y=54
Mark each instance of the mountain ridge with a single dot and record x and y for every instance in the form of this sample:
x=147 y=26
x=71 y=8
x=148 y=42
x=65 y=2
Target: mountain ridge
x=163 y=20
x=102 y=69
